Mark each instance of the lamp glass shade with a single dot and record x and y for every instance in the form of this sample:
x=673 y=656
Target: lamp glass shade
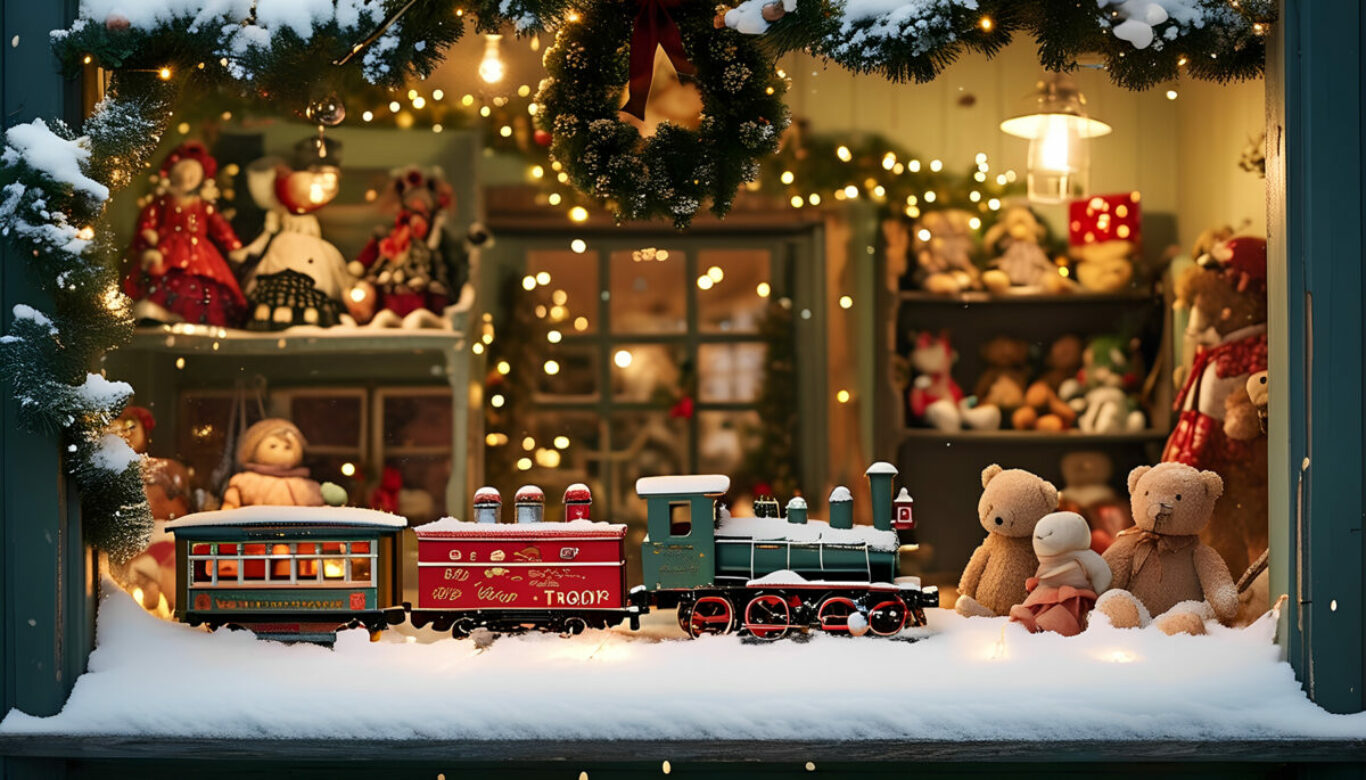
x=1055 y=122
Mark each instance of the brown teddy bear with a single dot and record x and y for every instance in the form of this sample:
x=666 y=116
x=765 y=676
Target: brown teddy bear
x=1013 y=501
x=1160 y=566
x=1002 y=384
x=942 y=242
x=1043 y=408
x=1104 y=266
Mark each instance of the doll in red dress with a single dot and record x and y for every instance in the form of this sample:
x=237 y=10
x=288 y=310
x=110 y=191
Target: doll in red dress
x=179 y=272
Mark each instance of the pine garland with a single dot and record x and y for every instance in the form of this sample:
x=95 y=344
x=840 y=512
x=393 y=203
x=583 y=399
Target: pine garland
x=676 y=171
x=1215 y=40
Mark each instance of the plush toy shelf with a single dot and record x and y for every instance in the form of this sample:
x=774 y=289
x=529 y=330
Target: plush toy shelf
x=202 y=339
x=1138 y=296
x=1070 y=438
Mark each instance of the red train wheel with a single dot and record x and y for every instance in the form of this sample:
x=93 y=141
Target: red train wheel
x=768 y=617
x=888 y=617
x=833 y=614
x=711 y=615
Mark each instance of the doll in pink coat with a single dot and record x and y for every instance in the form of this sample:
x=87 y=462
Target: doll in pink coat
x=270 y=455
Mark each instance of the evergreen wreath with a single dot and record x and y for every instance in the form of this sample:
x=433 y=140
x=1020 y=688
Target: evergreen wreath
x=672 y=173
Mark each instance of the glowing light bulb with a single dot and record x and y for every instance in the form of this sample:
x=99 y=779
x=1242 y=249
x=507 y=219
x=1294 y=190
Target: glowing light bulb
x=348 y=469
x=491 y=67
x=622 y=358
x=763 y=290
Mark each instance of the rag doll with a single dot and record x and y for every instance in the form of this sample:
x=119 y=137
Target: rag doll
x=1070 y=578
x=416 y=267
x=178 y=272
x=300 y=277
x=938 y=400
x=270 y=455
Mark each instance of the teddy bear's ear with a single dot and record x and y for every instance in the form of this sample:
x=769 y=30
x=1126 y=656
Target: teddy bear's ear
x=1137 y=474
x=1214 y=484
x=990 y=472
x=1050 y=493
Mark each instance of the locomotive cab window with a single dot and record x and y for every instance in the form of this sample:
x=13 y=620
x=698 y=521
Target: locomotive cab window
x=680 y=518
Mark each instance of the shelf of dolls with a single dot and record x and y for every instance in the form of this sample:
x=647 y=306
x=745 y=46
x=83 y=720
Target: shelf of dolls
x=974 y=297
x=302 y=340
x=1070 y=437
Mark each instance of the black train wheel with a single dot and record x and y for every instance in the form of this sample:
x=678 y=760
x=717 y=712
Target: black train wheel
x=888 y=615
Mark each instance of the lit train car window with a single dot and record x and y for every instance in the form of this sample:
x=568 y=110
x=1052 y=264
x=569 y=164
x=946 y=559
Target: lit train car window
x=339 y=564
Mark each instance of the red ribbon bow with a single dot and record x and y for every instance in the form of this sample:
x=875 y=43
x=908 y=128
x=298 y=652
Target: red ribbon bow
x=654 y=28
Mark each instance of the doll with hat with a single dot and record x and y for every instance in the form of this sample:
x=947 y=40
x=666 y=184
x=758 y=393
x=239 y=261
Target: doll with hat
x=269 y=457
x=417 y=266
x=299 y=277
x=178 y=270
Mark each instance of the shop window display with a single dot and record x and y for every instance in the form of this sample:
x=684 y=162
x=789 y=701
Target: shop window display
x=353 y=357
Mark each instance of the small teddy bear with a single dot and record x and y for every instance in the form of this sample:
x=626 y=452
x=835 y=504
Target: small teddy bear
x=1160 y=566
x=269 y=456
x=1070 y=576
x=1002 y=384
x=1013 y=501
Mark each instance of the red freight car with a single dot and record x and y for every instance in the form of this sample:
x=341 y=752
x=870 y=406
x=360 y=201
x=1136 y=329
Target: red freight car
x=557 y=576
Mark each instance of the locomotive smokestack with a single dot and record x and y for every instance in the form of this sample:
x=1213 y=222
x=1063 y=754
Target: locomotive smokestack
x=530 y=504
x=880 y=476
x=796 y=510
x=488 y=505
x=841 y=508
x=578 y=500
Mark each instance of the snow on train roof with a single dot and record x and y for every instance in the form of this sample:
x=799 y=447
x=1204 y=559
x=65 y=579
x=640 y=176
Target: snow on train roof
x=706 y=484
x=454 y=527
x=810 y=532
x=290 y=515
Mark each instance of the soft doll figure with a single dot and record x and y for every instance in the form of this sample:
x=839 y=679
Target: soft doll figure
x=300 y=277
x=1013 y=501
x=269 y=456
x=1160 y=567
x=1070 y=576
x=178 y=268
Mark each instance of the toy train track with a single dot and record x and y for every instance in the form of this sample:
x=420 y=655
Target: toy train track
x=301 y=573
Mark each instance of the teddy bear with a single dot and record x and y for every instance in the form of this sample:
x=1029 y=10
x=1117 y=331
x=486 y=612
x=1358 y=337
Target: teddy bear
x=942 y=243
x=1226 y=295
x=1021 y=264
x=1104 y=266
x=1002 y=384
x=269 y=456
x=1163 y=574
x=1012 y=502
x=938 y=400
x=1044 y=409
x=1070 y=577
x=1086 y=490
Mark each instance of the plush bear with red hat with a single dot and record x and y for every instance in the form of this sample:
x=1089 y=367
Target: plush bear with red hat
x=178 y=272
x=1226 y=295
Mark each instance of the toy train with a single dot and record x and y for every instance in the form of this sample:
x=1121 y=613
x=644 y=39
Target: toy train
x=302 y=573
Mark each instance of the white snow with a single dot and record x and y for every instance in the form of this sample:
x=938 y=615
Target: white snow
x=841 y=493
x=706 y=484
x=291 y=515
x=971 y=679
x=56 y=157
x=882 y=467
x=452 y=526
x=23 y=311
x=810 y=532
x=748 y=17
x=114 y=454
x=96 y=390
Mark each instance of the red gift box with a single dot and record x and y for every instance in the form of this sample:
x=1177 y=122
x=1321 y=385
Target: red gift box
x=1104 y=218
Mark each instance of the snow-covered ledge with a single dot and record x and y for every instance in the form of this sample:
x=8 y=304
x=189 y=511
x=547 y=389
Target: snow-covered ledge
x=977 y=689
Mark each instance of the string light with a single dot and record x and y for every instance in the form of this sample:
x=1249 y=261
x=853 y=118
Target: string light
x=846 y=302
x=986 y=24
x=763 y=289
x=543 y=277
x=578 y=214
x=561 y=442
x=842 y=396
x=844 y=154
x=491 y=67
x=164 y=74
x=551 y=368
x=578 y=246
x=622 y=358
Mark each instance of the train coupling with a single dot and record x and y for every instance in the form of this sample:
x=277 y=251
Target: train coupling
x=929 y=596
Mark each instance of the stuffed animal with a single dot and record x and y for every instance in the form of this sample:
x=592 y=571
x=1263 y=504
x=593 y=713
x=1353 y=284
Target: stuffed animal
x=269 y=456
x=166 y=483
x=299 y=277
x=1044 y=409
x=1109 y=373
x=418 y=266
x=1104 y=266
x=1069 y=579
x=943 y=244
x=178 y=271
x=1021 y=264
x=1011 y=505
x=1162 y=572
x=1226 y=295
x=935 y=398
x=1003 y=383
x=1086 y=491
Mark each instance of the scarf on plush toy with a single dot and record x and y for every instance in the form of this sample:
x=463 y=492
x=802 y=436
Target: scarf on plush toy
x=1151 y=546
